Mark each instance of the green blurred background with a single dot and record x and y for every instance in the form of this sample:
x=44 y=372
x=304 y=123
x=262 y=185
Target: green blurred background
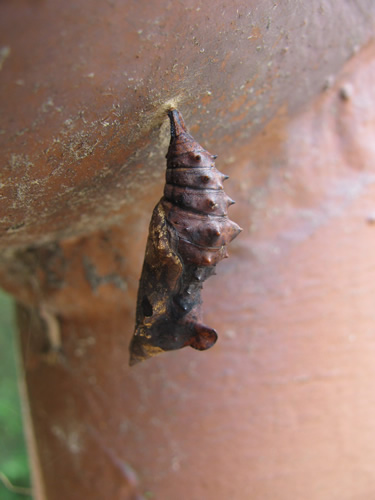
x=13 y=458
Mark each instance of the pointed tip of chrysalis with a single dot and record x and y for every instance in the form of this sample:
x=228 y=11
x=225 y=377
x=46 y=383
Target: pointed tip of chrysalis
x=133 y=360
x=141 y=348
x=178 y=126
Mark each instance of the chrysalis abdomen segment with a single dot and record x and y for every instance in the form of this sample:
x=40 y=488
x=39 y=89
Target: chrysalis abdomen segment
x=204 y=201
x=198 y=178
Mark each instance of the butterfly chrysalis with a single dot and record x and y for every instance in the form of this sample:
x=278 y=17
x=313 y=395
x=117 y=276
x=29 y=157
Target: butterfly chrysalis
x=188 y=235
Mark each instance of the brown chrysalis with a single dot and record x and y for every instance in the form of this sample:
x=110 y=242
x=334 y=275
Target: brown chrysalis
x=188 y=235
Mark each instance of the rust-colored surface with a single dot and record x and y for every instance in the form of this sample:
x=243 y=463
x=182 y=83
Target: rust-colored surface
x=283 y=406
x=85 y=89
x=188 y=235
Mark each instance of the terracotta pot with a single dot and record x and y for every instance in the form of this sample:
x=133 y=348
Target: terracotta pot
x=282 y=406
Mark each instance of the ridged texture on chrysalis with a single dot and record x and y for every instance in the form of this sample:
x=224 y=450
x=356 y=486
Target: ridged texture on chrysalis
x=188 y=235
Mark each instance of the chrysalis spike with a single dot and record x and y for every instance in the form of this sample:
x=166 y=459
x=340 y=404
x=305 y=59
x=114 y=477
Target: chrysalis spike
x=178 y=126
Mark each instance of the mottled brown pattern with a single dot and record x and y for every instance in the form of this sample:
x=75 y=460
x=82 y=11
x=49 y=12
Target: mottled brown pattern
x=189 y=233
